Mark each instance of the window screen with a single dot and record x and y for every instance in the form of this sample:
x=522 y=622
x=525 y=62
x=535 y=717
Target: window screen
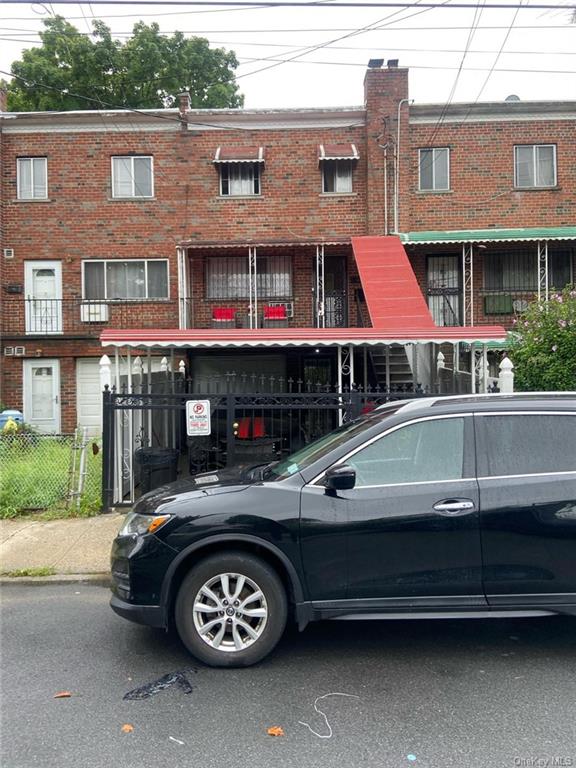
x=520 y=444
x=425 y=451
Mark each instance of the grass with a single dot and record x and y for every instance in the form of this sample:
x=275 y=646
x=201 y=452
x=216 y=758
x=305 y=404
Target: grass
x=35 y=477
x=42 y=570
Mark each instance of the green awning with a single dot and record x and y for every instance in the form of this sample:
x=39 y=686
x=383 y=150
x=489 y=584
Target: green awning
x=489 y=235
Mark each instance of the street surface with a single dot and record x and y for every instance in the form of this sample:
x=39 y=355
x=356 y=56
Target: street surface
x=469 y=694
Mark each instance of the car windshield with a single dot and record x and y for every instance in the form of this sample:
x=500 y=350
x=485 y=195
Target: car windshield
x=316 y=450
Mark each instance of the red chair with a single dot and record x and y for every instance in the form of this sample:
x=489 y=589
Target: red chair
x=275 y=316
x=250 y=428
x=223 y=317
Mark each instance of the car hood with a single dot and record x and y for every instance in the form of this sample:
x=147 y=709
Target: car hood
x=203 y=484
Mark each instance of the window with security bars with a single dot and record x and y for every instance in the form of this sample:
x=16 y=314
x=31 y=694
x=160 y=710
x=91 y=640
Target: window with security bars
x=444 y=289
x=227 y=277
x=535 y=165
x=239 y=179
x=434 y=169
x=518 y=271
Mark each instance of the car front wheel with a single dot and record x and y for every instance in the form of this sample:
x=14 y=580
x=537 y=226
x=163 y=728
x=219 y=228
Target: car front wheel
x=231 y=610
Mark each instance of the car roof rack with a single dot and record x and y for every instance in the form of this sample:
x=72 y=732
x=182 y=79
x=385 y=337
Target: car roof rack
x=428 y=402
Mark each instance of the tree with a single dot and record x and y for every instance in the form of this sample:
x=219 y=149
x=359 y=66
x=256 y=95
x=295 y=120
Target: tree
x=72 y=71
x=544 y=356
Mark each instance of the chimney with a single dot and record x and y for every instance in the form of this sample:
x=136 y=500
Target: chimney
x=385 y=90
x=3 y=99
x=184 y=103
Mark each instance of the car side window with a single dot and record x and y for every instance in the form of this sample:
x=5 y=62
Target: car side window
x=529 y=444
x=424 y=451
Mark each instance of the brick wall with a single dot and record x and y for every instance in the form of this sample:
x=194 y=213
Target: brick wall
x=482 y=193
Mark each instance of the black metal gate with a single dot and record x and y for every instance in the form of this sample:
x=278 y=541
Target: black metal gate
x=247 y=427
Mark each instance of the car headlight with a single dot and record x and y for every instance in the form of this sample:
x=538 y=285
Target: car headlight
x=138 y=525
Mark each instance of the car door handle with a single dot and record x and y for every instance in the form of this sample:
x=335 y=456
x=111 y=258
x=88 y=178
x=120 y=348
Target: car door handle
x=453 y=507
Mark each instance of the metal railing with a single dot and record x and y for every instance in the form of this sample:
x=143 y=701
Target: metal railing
x=80 y=317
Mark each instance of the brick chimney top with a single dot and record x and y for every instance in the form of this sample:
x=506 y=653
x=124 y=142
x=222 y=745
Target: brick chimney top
x=385 y=84
x=3 y=99
x=183 y=103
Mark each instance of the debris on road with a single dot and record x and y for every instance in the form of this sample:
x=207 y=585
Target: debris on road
x=275 y=730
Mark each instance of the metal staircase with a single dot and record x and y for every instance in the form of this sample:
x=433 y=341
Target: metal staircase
x=391 y=367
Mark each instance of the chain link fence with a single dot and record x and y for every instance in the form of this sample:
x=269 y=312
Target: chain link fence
x=48 y=472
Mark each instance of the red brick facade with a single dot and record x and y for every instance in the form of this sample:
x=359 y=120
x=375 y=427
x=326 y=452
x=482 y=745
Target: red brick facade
x=80 y=220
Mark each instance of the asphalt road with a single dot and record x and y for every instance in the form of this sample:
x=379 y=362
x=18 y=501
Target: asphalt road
x=469 y=694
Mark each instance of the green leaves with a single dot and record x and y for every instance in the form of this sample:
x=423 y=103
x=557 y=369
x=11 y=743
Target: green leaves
x=72 y=71
x=545 y=356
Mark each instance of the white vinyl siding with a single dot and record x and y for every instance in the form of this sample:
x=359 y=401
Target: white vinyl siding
x=337 y=176
x=32 y=178
x=434 y=169
x=132 y=176
x=535 y=165
x=132 y=279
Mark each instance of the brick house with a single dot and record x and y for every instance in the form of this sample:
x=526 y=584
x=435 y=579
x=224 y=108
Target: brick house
x=314 y=243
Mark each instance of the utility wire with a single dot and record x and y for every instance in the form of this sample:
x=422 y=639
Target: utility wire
x=308 y=4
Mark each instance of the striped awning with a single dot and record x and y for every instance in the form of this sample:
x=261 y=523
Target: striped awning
x=337 y=152
x=531 y=234
x=234 y=154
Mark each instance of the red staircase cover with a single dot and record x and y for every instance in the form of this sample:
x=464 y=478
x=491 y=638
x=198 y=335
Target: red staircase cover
x=392 y=293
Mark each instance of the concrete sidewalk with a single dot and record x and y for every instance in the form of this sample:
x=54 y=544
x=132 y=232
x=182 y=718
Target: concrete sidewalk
x=75 y=547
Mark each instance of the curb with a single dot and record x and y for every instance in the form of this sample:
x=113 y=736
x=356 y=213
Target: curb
x=96 y=579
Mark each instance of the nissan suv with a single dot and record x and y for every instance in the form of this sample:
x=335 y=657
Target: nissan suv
x=442 y=507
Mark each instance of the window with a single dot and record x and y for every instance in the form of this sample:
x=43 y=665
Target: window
x=32 y=178
x=425 y=451
x=519 y=271
x=228 y=278
x=434 y=165
x=521 y=444
x=337 y=176
x=126 y=279
x=239 y=179
x=132 y=176
x=535 y=165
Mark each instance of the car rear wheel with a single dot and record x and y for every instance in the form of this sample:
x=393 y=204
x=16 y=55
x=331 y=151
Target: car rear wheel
x=231 y=610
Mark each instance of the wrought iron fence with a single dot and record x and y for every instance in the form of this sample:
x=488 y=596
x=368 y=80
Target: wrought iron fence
x=254 y=419
x=41 y=472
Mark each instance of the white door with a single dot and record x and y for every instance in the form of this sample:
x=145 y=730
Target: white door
x=42 y=394
x=43 y=288
x=89 y=395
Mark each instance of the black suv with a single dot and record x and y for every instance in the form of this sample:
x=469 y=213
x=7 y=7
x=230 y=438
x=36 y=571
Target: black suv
x=438 y=507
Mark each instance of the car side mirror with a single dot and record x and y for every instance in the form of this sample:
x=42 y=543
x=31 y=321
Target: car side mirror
x=340 y=478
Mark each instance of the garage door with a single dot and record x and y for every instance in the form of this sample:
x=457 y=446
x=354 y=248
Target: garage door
x=88 y=395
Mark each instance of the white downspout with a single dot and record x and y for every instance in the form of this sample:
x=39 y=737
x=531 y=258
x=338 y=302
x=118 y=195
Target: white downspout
x=397 y=166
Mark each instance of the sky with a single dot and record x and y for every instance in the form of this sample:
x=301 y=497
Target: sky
x=475 y=55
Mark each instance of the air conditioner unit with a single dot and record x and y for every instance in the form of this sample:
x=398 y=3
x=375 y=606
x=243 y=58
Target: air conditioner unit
x=19 y=351
x=94 y=313
x=8 y=253
x=8 y=351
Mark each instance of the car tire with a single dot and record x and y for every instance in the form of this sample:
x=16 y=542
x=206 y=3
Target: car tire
x=231 y=610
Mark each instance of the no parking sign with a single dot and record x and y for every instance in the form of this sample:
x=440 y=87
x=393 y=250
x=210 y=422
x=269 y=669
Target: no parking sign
x=198 y=417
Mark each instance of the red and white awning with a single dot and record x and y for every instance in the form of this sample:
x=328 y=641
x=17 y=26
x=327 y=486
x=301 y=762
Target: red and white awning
x=234 y=154
x=337 y=152
x=296 y=337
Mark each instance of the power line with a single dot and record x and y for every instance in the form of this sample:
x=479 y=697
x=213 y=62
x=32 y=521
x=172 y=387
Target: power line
x=283 y=30
x=476 y=51
x=308 y=4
